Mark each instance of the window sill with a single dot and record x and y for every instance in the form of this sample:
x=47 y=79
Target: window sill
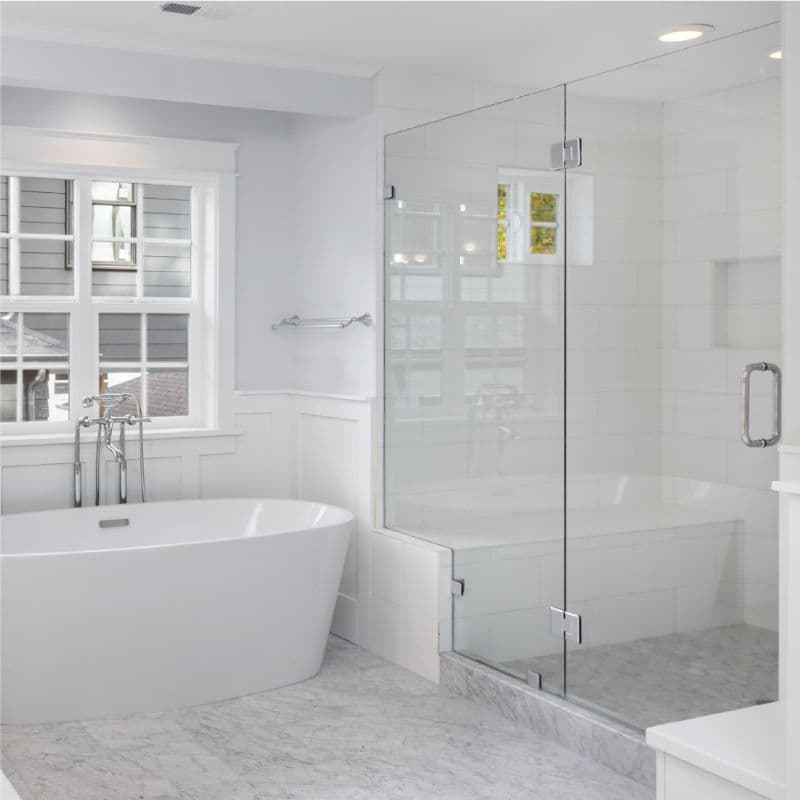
x=28 y=440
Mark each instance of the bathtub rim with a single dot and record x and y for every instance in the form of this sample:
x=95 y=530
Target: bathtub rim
x=342 y=517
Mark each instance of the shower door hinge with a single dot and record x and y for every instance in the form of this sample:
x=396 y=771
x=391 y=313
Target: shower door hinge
x=566 y=624
x=457 y=587
x=567 y=154
x=388 y=192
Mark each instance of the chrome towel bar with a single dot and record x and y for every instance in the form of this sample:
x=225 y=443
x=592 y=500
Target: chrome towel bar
x=296 y=321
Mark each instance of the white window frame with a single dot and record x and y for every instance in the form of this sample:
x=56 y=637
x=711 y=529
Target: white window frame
x=208 y=168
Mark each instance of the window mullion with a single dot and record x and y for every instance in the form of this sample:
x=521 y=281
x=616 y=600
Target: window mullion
x=139 y=233
x=20 y=373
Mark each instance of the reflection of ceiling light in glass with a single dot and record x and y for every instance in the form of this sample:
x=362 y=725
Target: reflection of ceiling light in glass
x=419 y=258
x=461 y=260
x=685 y=33
x=400 y=258
x=401 y=204
x=462 y=207
x=470 y=247
x=777 y=55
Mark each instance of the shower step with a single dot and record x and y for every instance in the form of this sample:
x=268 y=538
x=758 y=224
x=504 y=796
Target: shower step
x=611 y=744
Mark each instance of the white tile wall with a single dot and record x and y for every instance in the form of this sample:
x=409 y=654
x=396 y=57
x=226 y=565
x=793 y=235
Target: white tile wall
x=630 y=586
x=721 y=294
x=410 y=612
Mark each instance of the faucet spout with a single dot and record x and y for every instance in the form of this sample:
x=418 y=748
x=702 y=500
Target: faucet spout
x=119 y=456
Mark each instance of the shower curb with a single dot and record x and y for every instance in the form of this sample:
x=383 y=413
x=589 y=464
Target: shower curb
x=614 y=746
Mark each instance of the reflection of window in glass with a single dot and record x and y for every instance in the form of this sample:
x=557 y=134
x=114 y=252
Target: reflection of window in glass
x=529 y=216
x=113 y=218
x=414 y=234
x=34 y=367
x=493 y=331
x=424 y=385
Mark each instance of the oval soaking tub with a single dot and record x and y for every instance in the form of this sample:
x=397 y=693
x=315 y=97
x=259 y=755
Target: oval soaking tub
x=116 y=610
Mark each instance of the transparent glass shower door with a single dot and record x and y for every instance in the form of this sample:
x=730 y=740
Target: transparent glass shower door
x=642 y=282
x=474 y=367
x=673 y=286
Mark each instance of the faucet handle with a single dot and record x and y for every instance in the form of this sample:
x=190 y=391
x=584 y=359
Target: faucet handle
x=132 y=419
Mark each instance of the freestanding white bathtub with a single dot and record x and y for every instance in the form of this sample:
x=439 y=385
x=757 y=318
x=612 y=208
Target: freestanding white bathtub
x=116 y=610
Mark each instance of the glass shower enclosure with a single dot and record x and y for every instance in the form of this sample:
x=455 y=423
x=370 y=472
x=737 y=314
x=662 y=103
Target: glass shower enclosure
x=575 y=280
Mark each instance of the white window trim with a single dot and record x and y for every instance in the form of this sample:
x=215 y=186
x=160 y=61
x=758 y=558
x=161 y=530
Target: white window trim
x=209 y=167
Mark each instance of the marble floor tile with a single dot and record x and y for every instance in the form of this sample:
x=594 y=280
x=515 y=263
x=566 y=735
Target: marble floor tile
x=668 y=678
x=363 y=729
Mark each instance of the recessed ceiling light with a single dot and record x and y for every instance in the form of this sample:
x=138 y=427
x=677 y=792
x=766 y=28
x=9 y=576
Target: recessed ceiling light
x=686 y=33
x=777 y=55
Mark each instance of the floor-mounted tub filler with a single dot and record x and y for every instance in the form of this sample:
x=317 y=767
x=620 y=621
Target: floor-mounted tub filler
x=116 y=610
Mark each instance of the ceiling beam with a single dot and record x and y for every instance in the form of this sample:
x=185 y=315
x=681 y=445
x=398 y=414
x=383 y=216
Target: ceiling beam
x=98 y=70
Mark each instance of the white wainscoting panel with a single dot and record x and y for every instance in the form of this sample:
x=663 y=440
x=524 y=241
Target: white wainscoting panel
x=260 y=465
x=332 y=463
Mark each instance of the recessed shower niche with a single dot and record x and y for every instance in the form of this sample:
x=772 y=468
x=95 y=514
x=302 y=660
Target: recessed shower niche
x=746 y=314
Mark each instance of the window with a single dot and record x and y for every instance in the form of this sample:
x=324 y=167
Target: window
x=113 y=225
x=529 y=217
x=148 y=356
x=34 y=359
x=101 y=291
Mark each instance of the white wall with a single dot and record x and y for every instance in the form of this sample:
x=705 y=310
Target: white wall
x=334 y=238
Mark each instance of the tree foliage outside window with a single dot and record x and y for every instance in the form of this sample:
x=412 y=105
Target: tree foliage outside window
x=502 y=222
x=543 y=210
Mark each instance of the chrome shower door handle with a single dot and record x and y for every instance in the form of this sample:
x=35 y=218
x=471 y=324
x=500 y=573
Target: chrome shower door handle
x=774 y=438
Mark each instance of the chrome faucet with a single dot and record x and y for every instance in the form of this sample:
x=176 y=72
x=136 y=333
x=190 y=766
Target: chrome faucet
x=105 y=432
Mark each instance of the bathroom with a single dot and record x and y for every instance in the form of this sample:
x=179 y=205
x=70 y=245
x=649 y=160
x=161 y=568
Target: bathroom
x=466 y=388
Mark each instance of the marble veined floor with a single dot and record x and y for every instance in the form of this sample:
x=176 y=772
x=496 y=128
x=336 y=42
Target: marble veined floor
x=668 y=678
x=363 y=729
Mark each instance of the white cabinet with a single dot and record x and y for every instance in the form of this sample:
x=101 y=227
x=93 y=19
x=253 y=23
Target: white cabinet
x=738 y=755
x=678 y=780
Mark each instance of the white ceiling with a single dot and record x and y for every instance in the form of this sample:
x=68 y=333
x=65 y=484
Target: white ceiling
x=530 y=44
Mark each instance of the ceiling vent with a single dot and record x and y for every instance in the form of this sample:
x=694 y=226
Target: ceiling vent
x=181 y=8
